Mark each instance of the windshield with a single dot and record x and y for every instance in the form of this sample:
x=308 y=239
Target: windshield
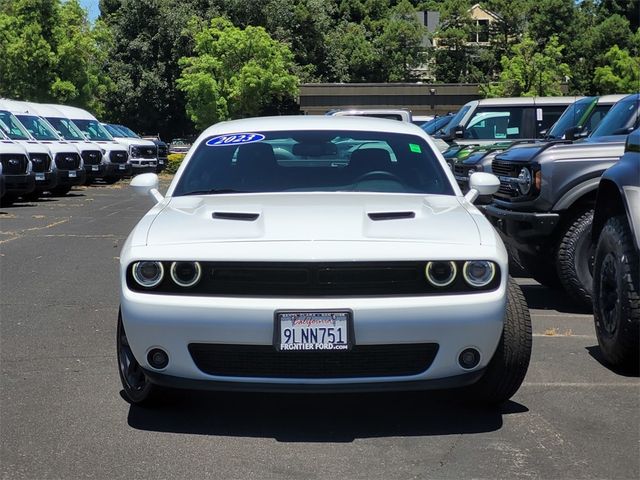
x=621 y=119
x=314 y=161
x=38 y=127
x=128 y=131
x=114 y=131
x=447 y=130
x=572 y=117
x=93 y=129
x=432 y=126
x=12 y=127
x=66 y=128
x=495 y=123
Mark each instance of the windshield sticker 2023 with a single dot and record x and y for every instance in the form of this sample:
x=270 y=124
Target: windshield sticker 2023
x=234 y=139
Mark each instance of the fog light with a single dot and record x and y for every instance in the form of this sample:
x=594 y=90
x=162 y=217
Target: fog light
x=186 y=274
x=441 y=274
x=148 y=274
x=469 y=358
x=158 y=358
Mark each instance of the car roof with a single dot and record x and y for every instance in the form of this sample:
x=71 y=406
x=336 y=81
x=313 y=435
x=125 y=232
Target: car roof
x=518 y=101
x=611 y=99
x=14 y=106
x=73 y=112
x=312 y=122
x=43 y=110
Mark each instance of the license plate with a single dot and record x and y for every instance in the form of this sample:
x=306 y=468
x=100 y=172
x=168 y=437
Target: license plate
x=313 y=331
x=121 y=167
x=94 y=168
x=72 y=174
x=40 y=176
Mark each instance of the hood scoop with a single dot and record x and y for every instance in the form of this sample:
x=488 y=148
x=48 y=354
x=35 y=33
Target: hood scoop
x=241 y=216
x=391 y=215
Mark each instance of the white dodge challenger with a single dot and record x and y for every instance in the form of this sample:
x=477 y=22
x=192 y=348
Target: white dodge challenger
x=318 y=254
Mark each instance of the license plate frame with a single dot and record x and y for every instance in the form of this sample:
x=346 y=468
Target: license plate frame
x=94 y=168
x=121 y=167
x=320 y=314
x=72 y=174
x=40 y=177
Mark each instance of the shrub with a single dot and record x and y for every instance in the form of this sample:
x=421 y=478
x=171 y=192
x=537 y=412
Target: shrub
x=174 y=162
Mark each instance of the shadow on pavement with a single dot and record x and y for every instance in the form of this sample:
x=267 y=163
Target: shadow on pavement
x=543 y=298
x=318 y=418
x=596 y=354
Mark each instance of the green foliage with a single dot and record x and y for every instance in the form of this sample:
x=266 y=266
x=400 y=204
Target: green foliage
x=530 y=72
x=236 y=73
x=620 y=74
x=174 y=160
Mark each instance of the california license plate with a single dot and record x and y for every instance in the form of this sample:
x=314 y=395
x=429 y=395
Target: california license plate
x=313 y=331
x=121 y=167
x=72 y=174
x=94 y=168
x=40 y=177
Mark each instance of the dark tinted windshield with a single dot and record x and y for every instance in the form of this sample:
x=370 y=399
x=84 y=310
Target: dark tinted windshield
x=312 y=161
x=447 y=130
x=571 y=117
x=128 y=131
x=12 y=127
x=621 y=119
x=114 y=131
x=93 y=129
x=66 y=128
x=432 y=126
x=37 y=127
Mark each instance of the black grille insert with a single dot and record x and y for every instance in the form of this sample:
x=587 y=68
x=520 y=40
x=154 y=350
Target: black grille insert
x=68 y=161
x=92 y=157
x=118 y=156
x=40 y=162
x=361 y=361
x=14 y=163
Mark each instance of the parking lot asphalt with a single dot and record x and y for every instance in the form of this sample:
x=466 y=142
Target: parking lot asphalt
x=62 y=415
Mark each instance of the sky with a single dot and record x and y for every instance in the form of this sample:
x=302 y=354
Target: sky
x=92 y=7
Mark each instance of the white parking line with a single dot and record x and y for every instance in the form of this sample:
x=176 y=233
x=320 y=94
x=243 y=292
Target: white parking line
x=555 y=335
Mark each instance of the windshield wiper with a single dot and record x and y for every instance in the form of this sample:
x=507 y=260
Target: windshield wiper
x=214 y=191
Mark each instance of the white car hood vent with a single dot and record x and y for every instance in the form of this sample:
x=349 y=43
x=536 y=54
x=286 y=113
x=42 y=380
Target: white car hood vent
x=314 y=217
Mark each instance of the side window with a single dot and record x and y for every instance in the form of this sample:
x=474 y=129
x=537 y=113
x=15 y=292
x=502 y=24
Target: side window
x=547 y=116
x=595 y=118
x=495 y=124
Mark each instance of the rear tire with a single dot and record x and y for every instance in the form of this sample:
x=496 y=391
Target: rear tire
x=137 y=387
x=616 y=295
x=508 y=367
x=575 y=259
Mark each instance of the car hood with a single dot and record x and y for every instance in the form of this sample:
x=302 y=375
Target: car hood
x=135 y=141
x=313 y=217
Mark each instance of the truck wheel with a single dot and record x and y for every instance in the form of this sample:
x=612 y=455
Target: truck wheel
x=32 y=197
x=7 y=200
x=540 y=269
x=616 y=295
x=137 y=387
x=575 y=259
x=60 y=191
x=510 y=362
x=110 y=179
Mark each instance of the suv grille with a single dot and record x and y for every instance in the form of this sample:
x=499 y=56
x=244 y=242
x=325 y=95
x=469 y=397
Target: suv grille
x=68 y=161
x=92 y=157
x=14 y=164
x=504 y=171
x=118 y=156
x=147 y=152
x=360 y=361
x=162 y=151
x=40 y=162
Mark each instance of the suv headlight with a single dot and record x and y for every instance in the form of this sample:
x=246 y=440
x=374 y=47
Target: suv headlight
x=525 y=180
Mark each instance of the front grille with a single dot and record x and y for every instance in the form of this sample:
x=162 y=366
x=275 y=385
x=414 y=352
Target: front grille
x=505 y=170
x=67 y=161
x=459 y=170
x=40 y=162
x=288 y=279
x=147 y=152
x=162 y=151
x=92 y=157
x=14 y=163
x=118 y=156
x=360 y=361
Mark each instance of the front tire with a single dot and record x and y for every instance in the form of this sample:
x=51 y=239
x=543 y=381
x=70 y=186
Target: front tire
x=508 y=367
x=60 y=191
x=137 y=387
x=616 y=295
x=575 y=259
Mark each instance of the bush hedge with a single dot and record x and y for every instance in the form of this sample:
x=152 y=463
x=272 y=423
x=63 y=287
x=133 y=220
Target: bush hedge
x=174 y=162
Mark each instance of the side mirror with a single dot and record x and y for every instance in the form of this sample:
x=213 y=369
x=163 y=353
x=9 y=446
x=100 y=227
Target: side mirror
x=572 y=133
x=147 y=184
x=543 y=132
x=481 y=183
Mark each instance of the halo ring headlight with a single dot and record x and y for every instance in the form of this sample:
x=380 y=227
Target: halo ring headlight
x=148 y=274
x=186 y=274
x=441 y=274
x=478 y=273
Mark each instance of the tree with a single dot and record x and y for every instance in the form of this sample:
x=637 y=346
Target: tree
x=235 y=73
x=350 y=53
x=530 y=72
x=620 y=74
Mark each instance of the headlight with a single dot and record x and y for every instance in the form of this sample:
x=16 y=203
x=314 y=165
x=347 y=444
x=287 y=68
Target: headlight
x=134 y=151
x=186 y=274
x=441 y=274
x=148 y=274
x=524 y=181
x=478 y=273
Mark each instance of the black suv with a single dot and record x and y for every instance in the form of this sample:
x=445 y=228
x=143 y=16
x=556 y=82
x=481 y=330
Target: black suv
x=544 y=207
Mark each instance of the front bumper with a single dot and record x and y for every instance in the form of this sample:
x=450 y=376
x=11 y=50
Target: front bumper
x=19 y=184
x=143 y=165
x=523 y=230
x=71 y=177
x=453 y=322
x=46 y=181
